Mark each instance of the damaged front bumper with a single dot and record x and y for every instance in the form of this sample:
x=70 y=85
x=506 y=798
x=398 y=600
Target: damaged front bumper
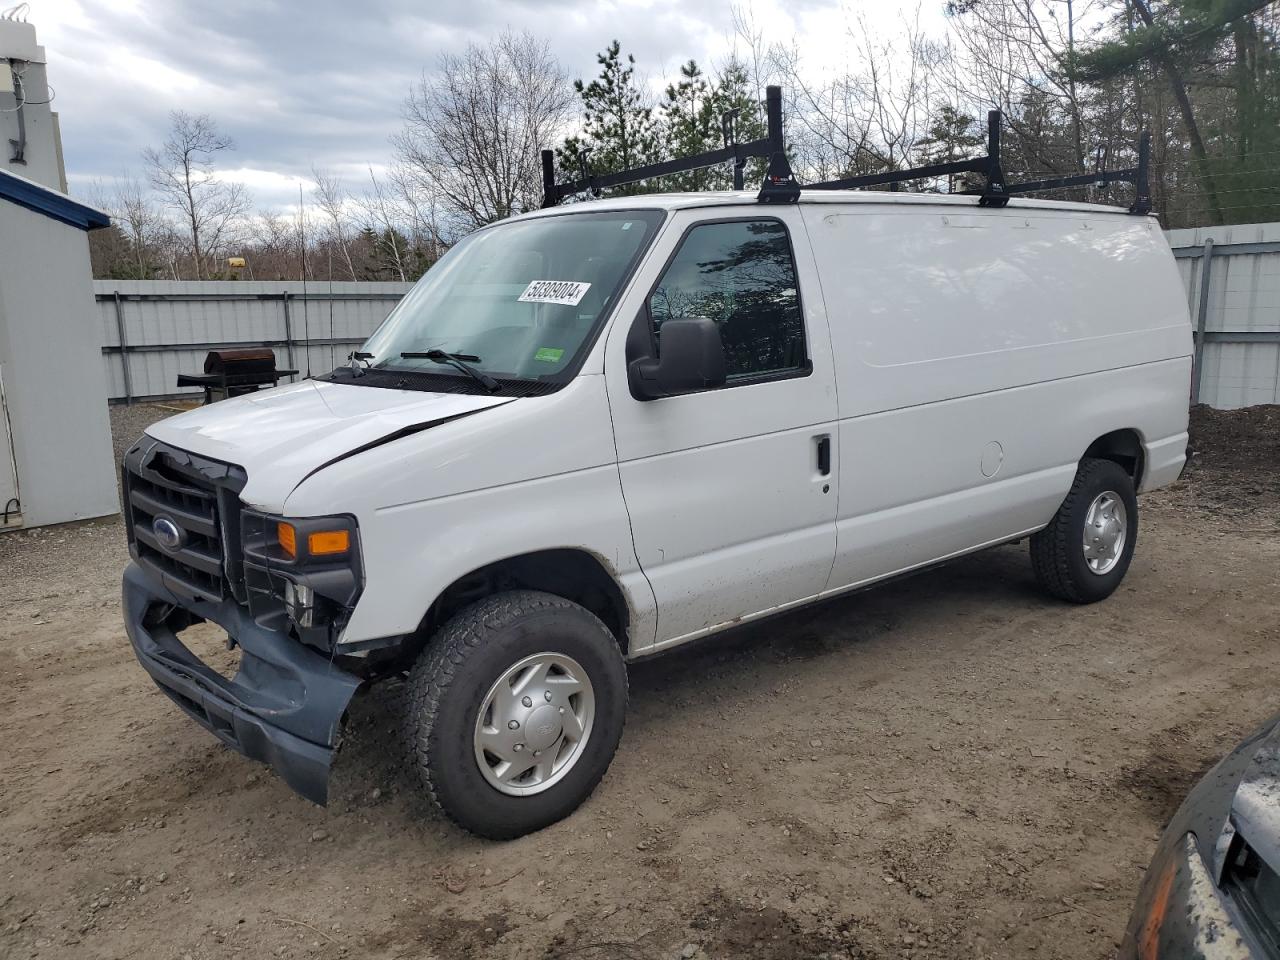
x=1210 y=890
x=284 y=706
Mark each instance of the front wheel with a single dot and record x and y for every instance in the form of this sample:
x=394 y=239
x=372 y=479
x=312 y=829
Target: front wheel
x=515 y=710
x=1084 y=552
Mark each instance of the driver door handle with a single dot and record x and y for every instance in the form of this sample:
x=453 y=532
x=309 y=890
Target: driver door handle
x=824 y=454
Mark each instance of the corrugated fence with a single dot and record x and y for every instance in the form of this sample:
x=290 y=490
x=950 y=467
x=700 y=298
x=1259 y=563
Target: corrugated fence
x=153 y=330
x=1232 y=278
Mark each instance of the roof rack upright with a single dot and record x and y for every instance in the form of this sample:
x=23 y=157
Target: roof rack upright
x=780 y=184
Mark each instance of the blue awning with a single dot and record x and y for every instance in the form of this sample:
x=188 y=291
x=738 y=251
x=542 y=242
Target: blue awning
x=50 y=202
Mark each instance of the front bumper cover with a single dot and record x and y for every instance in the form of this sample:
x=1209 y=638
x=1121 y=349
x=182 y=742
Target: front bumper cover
x=284 y=706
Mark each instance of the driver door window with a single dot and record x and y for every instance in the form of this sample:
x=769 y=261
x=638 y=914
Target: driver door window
x=740 y=274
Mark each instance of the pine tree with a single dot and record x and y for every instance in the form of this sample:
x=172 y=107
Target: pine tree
x=952 y=136
x=1180 y=37
x=689 y=126
x=619 y=129
x=733 y=96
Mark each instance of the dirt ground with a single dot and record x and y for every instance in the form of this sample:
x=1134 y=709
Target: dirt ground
x=950 y=766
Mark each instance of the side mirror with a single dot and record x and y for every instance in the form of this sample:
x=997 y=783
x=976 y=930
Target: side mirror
x=692 y=358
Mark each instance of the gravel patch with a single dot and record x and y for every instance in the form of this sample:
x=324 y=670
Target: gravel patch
x=40 y=563
x=129 y=422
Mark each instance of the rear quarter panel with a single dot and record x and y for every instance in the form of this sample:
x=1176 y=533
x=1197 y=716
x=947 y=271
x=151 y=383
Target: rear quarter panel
x=978 y=354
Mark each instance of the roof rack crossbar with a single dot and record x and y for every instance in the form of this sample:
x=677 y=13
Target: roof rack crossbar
x=995 y=193
x=1099 y=178
x=892 y=177
x=1139 y=176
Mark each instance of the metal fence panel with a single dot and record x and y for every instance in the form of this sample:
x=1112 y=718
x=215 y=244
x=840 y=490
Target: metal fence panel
x=152 y=330
x=1238 y=363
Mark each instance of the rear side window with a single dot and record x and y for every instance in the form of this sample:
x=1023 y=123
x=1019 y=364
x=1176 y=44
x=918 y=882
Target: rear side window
x=740 y=274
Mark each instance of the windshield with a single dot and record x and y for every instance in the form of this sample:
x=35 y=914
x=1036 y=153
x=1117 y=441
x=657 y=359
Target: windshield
x=519 y=300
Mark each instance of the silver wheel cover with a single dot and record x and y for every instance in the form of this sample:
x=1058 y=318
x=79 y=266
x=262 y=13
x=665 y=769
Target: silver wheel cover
x=1106 y=527
x=534 y=724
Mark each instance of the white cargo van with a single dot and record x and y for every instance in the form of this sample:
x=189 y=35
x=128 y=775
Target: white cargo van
x=600 y=431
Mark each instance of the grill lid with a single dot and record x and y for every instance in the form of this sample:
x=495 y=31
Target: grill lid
x=243 y=362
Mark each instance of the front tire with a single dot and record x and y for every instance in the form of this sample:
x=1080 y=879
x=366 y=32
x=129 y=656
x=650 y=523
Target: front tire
x=1084 y=552
x=515 y=710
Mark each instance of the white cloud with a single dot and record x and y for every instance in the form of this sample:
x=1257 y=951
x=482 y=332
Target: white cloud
x=323 y=82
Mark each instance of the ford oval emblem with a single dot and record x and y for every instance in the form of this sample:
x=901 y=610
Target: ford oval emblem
x=168 y=533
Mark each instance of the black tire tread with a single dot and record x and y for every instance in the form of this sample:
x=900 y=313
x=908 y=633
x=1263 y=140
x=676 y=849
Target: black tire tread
x=1050 y=547
x=435 y=669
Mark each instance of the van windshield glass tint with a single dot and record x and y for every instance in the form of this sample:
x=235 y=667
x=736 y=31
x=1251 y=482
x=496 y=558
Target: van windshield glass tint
x=522 y=298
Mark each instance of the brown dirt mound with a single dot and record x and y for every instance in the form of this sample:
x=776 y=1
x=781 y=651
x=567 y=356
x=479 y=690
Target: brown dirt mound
x=1236 y=440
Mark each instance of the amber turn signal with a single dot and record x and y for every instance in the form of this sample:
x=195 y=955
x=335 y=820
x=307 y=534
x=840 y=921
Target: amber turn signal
x=328 y=542
x=288 y=538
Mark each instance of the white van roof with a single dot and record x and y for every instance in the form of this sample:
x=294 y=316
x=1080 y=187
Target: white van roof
x=684 y=201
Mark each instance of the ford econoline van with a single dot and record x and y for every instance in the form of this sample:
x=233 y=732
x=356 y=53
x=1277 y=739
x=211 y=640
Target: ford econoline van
x=597 y=432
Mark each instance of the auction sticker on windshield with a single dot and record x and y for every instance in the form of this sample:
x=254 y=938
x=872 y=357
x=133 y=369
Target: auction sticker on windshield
x=566 y=292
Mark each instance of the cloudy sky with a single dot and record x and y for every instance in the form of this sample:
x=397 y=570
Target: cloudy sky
x=322 y=82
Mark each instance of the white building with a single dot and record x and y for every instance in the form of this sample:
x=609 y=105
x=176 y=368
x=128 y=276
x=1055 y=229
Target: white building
x=56 y=460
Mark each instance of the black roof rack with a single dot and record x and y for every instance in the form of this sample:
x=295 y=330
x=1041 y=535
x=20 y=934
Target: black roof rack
x=994 y=195
x=1139 y=176
x=780 y=185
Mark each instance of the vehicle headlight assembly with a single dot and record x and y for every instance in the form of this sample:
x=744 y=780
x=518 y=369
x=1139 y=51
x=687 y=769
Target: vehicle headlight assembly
x=304 y=572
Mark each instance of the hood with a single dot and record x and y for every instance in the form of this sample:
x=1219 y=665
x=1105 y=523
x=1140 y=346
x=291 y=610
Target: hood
x=282 y=436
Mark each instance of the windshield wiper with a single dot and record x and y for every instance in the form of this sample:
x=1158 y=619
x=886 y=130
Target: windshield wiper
x=460 y=361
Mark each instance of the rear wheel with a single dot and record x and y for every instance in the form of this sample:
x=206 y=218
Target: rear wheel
x=1084 y=552
x=515 y=710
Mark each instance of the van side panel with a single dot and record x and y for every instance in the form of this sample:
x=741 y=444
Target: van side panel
x=913 y=488
x=978 y=354
x=929 y=306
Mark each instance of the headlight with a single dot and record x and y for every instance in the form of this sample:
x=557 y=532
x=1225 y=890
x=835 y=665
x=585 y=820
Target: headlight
x=303 y=570
x=300 y=602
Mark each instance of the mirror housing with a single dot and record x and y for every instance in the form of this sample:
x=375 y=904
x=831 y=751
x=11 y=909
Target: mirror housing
x=692 y=358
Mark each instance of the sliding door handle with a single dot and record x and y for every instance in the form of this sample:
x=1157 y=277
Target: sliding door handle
x=824 y=454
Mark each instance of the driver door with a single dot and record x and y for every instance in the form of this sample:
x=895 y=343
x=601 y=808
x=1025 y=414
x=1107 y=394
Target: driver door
x=731 y=491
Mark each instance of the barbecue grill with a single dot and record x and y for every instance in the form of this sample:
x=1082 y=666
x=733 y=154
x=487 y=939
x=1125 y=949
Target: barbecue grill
x=232 y=373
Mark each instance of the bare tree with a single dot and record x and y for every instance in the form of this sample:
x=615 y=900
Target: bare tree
x=421 y=205
x=1014 y=55
x=135 y=212
x=474 y=129
x=381 y=210
x=275 y=244
x=865 y=115
x=331 y=198
x=182 y=172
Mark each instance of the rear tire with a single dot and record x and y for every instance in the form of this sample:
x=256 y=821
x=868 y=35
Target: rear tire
x=517 y=680
x=1084 y=552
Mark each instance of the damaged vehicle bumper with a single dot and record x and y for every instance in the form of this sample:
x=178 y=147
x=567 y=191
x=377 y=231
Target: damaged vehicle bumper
x=1213 y=888
x=285 y=705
